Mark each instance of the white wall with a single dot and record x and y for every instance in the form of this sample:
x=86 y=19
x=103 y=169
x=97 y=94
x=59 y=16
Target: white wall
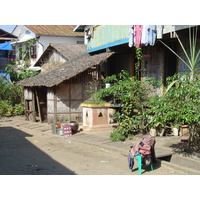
x=42 y=42
x=21 y=31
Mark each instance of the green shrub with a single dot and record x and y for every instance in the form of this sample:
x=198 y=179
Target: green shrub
x=131 y=95
x=180 y=105
x=6 y=109
x=10 y=99
x=139 y=112
x=10 y=92
x=19 y=109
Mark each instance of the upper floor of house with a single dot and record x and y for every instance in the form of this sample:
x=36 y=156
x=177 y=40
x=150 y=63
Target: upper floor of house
x=5 y=47
x=103 y=37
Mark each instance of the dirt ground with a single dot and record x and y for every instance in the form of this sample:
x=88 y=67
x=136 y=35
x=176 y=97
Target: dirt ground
x=28 y=151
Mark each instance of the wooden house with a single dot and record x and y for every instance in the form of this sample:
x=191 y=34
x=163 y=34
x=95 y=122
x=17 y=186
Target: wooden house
x=158 y=61
x=55 y=96
x=57 y=54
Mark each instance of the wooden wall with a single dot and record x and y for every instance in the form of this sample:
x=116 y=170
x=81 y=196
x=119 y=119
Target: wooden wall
x=153 y=64
x=63 y=101
x=60 y=103
x=52 y=60
x=29 y=104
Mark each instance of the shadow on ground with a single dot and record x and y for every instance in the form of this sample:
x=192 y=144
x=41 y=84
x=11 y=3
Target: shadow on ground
x=186 y=149
x=20 y=157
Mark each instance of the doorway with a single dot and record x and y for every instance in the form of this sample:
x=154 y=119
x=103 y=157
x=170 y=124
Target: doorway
x=41 y=103
x=170 y=67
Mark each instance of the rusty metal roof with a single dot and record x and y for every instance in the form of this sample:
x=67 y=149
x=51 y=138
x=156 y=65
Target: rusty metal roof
x=66 y=30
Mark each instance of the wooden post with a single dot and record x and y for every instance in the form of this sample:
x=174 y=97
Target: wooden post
x=55 y=105
x=38 y=104
x=33 y=106
x=70 y=85
x=26 y=108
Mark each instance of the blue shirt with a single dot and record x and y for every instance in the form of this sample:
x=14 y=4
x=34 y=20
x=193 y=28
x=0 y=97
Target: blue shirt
x=149 y=35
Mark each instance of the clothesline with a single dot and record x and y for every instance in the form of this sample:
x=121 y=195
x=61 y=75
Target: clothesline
x=143 y=35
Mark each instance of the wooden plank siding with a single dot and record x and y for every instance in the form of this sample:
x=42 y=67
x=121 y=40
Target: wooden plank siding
x=107 y=36
x=152 y=65
x=64 y=100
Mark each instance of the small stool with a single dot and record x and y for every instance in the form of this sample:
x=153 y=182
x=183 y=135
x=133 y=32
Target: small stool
x=139 y=159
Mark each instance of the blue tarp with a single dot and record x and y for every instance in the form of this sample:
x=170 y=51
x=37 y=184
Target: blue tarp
x=5 y=46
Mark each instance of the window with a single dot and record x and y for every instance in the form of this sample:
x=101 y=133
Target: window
x=80 y=42
x=27 y=32
x=33 y=51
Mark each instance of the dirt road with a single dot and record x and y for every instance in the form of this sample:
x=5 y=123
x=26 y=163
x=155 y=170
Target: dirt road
x=33 y=152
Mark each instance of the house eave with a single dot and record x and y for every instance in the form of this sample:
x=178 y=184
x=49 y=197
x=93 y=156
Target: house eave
x=76 y=36
x=79 y=28
x=106 y=46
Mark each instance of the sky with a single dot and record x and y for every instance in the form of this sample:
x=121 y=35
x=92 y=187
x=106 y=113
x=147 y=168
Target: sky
x=8 y=28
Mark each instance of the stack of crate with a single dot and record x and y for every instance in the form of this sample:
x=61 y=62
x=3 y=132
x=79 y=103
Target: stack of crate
x=67 y=130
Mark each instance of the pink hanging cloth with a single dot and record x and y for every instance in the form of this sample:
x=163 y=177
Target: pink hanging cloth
x=137 y=35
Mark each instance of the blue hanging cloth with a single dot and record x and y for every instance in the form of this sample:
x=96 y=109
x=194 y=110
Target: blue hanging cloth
x=5 y=46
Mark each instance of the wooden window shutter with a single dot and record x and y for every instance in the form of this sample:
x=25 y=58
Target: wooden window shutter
x=33 y=51
x=14 y=53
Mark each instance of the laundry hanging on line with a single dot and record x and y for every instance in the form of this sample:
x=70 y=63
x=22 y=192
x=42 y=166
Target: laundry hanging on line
x=143 y=35
x=131 y=36
x=135 y=34
x=149 y=35
x=159 y=31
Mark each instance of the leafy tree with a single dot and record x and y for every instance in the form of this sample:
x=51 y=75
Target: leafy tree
x=180 y=105
x=11 y=96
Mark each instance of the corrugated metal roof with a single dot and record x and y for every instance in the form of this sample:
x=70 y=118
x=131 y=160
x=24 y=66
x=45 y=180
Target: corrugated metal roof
x=54 y=30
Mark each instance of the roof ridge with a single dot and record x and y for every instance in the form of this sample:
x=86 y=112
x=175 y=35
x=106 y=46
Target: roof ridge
x=62 y=30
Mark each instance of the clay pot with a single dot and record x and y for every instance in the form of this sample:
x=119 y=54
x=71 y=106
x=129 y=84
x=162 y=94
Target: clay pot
x=74 y=126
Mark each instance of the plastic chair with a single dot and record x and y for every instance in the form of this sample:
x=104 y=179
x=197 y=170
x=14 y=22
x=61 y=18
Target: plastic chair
x=139 y=159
